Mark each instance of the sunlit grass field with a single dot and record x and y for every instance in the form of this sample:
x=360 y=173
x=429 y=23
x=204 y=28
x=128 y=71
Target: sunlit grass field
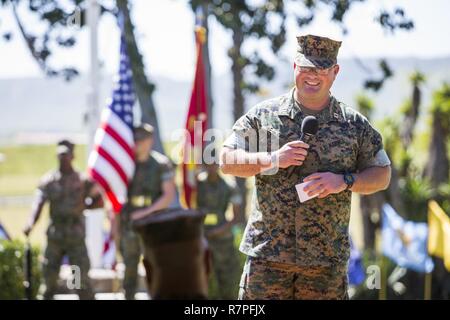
x=21 y=169
x=24 y=165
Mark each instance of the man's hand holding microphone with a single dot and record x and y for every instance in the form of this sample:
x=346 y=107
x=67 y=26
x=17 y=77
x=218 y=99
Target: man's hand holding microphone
x=294 y=154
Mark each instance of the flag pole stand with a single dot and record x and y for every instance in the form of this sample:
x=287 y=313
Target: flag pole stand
x=427 y=286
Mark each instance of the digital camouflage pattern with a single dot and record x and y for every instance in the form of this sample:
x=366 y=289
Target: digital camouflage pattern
x=280 y=228
x=144 y=188
x=213 y=198
x=268 y=280
x=66 y=232
x=315 y=51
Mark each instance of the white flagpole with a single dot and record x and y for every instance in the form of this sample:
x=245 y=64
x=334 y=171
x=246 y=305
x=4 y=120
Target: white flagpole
x=94 y=218
x=93 y=12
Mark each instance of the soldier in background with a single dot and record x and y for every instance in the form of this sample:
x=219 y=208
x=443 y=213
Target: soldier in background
x=214 y=195
x=68 y=193
x=176 y=255
x=152 y=188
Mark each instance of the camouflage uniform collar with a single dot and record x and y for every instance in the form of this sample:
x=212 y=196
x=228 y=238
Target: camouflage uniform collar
x=59 y=174
x=290 y=108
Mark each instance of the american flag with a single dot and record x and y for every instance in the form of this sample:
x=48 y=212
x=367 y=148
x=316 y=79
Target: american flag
x=111 y=162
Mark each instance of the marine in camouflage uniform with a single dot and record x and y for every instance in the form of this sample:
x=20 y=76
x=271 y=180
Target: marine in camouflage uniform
x=214 y=195
x=67 y=191
x=300 y=250
x=146 y=193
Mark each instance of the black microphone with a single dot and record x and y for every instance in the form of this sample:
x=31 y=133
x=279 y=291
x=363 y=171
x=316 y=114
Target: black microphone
x=310 y=126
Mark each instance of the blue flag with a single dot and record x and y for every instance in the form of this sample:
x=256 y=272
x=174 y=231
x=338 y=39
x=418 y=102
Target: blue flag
x=3 y=234
x=405 y=242
x=356 y=273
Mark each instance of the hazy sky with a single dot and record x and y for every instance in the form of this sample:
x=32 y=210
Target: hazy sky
x=166 y=40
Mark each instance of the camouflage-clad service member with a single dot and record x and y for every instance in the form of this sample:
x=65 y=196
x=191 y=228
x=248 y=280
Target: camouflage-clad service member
x=214 y=195
x=300 y=250
x=152 y=188
x=68 y=193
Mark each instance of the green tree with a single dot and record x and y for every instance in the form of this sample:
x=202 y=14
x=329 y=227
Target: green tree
x=411 y=109
x=369 y=204
x=143 y=87
x=56 y=32
x=437 y=168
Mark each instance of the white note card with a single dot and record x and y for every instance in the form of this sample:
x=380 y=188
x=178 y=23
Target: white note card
x=302 y=195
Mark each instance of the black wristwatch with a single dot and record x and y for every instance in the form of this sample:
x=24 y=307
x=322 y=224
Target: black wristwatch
x=349 y=180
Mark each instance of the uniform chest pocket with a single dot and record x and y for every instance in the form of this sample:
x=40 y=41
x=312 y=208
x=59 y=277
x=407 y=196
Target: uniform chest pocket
x=151 y=181
x=212 y=198
x=55 y=191
x=267 y=140
x=75 y=188
x=337 y=146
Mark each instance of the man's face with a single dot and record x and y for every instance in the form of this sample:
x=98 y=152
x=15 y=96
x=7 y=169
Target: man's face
x=65 y=158
x=143 y=146
x=212 y=169
x=313 y=83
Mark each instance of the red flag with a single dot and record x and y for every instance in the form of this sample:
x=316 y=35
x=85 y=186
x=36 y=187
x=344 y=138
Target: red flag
x=195 y=126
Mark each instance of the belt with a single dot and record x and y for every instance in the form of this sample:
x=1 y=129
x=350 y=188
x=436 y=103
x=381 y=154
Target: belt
x=66 y=218
x=211 y=219
x=140 y=201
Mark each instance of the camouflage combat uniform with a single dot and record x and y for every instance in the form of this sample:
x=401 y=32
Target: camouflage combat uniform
x=213 y=198
x=301 y=248
x=66 y=233
x=145 y=188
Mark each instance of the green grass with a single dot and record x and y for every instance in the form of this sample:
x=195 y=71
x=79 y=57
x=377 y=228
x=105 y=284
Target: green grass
x=20 y=172
x=23 y=166
x=14 y=218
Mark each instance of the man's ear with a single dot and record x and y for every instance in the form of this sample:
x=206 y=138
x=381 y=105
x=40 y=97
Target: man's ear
x=336 y=70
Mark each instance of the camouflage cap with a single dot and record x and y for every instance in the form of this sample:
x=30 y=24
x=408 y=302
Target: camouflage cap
x=64 y=146
x=143 y=131
x=315 y=51
x=170 y=225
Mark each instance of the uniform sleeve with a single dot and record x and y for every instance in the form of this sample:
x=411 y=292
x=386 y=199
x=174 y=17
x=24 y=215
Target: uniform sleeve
x=43 y=188
x=371 y=152
x=168 y=170
x=88 y=184
x=244 y=132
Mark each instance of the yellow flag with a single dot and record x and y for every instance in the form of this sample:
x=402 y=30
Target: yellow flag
x=438 y=233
